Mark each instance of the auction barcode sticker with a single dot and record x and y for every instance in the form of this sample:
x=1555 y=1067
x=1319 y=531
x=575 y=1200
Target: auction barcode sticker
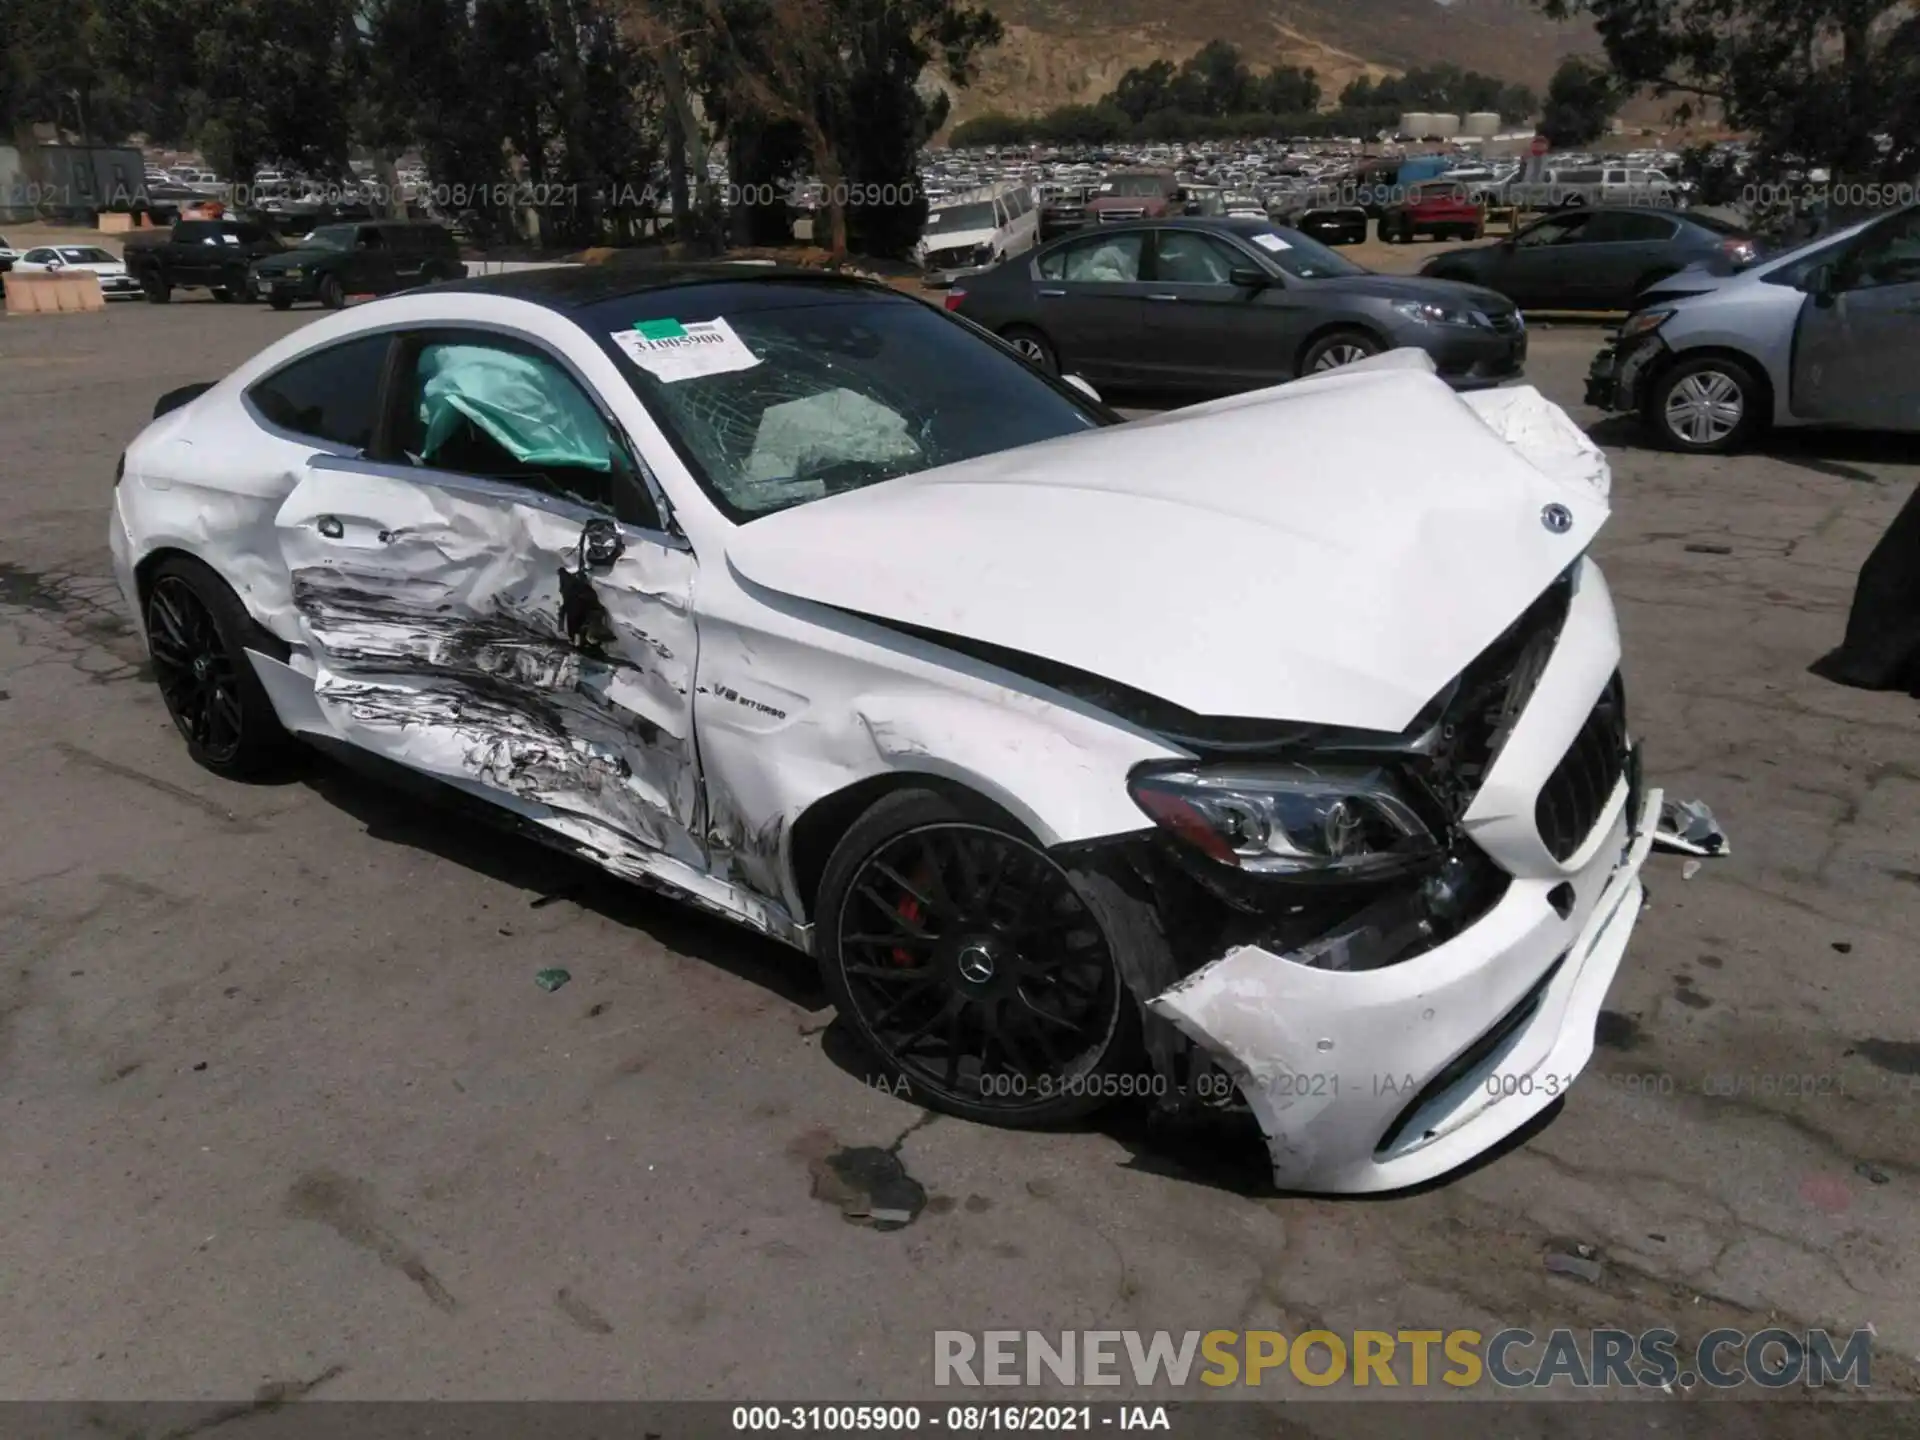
x=671 y=351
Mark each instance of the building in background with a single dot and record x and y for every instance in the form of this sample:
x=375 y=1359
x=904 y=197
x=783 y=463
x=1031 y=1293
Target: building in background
x=70 y=183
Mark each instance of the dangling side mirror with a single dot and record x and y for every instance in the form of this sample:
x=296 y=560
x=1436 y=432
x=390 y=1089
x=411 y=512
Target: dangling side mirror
x=1819 y=282
x=600 y=544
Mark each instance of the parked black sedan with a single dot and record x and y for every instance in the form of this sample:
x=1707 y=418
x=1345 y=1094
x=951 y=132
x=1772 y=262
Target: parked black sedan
x=1220 y=305
x=1597 y=258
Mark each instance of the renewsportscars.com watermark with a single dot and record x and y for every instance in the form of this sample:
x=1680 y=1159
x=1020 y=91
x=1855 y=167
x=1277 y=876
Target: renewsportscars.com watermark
x=1507 y=1359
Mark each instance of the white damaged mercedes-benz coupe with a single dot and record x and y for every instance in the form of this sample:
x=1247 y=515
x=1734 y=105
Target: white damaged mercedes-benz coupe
x=1270 y=751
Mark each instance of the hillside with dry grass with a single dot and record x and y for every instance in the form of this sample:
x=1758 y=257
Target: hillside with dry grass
x=1060 y=52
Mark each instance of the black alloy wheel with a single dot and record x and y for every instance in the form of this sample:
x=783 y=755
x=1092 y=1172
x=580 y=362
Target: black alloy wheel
x=196 y=674
x=971 y=965
x=197 y=636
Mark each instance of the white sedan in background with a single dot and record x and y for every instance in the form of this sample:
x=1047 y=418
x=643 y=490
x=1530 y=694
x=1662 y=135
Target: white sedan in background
x=1259 y=749
x=115 y=282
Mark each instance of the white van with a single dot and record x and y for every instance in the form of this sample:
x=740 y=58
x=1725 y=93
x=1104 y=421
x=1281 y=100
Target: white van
x=976 y=231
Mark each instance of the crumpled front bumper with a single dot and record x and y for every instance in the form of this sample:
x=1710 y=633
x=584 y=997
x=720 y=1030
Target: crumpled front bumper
x=1616 y=379
x=1379 y=1079
x=1387 y=1078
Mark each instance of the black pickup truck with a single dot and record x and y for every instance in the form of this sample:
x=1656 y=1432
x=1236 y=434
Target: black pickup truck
x=214 y=255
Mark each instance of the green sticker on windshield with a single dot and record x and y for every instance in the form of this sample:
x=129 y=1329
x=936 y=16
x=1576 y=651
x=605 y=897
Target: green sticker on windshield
x=660 y=329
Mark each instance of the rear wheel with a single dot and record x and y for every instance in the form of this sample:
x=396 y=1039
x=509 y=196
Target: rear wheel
x=972 y=965
x=333 y=295
x=1336 y=349
x=223 y=294
x=1033 y=347
x=280 y=302
x=1706 y=406
x=196 y=634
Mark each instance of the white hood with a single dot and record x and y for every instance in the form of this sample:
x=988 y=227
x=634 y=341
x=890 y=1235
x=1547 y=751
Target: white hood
x=1332 y=551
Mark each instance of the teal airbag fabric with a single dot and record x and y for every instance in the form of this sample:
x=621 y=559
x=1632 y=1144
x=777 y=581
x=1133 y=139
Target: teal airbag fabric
x=533 y=412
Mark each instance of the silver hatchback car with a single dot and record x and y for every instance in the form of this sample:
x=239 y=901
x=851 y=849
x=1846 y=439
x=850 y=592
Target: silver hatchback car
x=1826 y=334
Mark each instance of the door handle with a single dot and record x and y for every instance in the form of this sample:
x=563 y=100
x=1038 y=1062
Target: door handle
x=330 y=527
x=1163 y=297
x=1054 y=294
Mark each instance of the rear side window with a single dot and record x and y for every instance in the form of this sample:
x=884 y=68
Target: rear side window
x=331 y=396
x=1617 y=227
x=1106 y=259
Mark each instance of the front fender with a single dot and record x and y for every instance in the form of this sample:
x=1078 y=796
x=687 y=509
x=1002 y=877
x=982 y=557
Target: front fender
x=1062 y=785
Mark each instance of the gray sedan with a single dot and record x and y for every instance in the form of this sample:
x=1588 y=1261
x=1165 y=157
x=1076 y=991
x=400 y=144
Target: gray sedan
x=1221 y=305
x=1828 y=334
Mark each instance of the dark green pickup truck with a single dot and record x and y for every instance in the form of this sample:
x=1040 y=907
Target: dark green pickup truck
x=372 y=257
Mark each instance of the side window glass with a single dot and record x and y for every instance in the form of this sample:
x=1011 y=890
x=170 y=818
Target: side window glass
x=331 y=396
x=1109 y=260
x=1185 y=257
x=501 y=411
x=1888 y=255
x=1053 y=265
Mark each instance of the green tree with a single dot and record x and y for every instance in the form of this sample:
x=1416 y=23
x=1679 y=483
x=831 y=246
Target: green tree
x=1288 y=90
x=1215 y=80
x=1822 y=80
x=1083 y=125
x=1145 y=89
x=1581 y=99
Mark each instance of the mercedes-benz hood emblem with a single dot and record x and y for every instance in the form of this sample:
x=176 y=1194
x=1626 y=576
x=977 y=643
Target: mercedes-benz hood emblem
x=1557 y=518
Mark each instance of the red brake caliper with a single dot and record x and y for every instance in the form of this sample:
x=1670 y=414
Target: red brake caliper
x=911 y=911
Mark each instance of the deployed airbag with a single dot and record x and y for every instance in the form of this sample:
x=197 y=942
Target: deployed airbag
x=536 y=415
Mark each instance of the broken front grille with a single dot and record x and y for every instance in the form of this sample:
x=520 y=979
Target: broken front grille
x=1577 y=792
x=1483 y=705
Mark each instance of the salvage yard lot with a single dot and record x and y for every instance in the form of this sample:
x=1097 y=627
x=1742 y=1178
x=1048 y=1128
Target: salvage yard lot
x=284 y=1105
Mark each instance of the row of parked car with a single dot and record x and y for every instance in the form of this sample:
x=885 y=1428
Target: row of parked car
x=1721 y=342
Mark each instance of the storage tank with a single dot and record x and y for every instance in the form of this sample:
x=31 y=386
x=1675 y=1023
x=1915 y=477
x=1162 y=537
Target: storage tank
x=1481 y=125
x=1416 y=124
x=1444 y=127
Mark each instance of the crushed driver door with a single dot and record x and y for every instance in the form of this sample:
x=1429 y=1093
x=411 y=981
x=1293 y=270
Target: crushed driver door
x=515 y=644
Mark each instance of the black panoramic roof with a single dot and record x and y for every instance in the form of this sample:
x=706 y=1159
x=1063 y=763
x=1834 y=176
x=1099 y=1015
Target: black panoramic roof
x=574 y=288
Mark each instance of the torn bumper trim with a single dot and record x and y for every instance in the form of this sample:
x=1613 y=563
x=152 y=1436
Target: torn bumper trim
x=1333 y=1064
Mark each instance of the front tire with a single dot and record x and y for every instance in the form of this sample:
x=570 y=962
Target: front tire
x=1034 y=348
x=1338 y=348
x=159 y=292
x=280 y=302
x=332 y=294
x=972 y=966
x=1706 y=406
x=223 y=294
x=197 y=633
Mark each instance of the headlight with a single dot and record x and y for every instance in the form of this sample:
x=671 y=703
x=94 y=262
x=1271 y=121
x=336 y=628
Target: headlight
x=1644 y=323
x=1289 y=820
x=1434 y=312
